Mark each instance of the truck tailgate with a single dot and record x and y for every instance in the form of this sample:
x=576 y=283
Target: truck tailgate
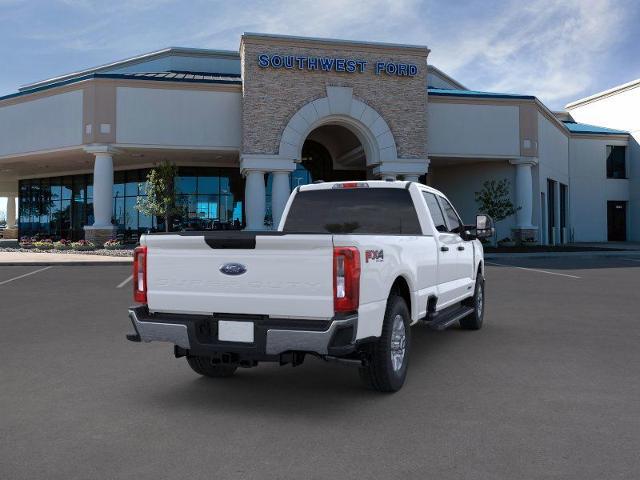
x=286 y=275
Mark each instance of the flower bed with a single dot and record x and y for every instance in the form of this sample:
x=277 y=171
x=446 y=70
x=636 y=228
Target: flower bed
x=83 y=245
x=123 y=252
x=113 y=245
x=43 y=244
x=62 y=245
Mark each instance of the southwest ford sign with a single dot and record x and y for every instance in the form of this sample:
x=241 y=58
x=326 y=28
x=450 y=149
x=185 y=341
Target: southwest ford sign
x=334 y=64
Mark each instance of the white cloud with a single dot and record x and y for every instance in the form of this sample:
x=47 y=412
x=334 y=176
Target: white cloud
x=548 y=48
x=545 y=48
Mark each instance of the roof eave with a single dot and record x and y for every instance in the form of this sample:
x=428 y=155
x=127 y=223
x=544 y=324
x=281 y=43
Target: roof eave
x=130 y=61
x=605 y=93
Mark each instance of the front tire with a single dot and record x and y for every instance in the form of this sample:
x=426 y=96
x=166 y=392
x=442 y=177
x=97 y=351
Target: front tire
x=205 y=367
x=474 y=320
x=388 y=360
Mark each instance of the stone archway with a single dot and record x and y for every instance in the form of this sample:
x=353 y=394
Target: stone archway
x=339 y=107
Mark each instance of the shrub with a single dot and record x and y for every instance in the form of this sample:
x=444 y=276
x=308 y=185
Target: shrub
x=83 y=245
x=26 y=242
x=112 y=244
x=45 y=244
x=62 y=245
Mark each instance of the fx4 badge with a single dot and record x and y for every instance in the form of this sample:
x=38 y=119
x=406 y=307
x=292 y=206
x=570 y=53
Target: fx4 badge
x=374 y=256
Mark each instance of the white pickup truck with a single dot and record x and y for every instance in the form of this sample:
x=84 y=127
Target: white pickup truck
x=351 y=267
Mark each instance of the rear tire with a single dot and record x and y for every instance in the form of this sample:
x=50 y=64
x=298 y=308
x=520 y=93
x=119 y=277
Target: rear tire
x=474 y=320
x=388 y=360
x=205 y=367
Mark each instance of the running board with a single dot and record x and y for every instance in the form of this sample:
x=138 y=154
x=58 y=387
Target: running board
x=447 y=317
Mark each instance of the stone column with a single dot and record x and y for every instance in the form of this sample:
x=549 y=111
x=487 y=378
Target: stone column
x=254 y=198
x=280 y=191
x=254 y=166
x=409 y=169
x=11 y=212
x=102 y=228
x=524 y=230
x=11 y=232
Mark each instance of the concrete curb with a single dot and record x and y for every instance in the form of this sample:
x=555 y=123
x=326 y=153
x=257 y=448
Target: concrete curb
x=617 y=253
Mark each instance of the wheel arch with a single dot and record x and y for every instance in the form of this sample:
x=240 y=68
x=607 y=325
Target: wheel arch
x=401 y=288
x=480 y=269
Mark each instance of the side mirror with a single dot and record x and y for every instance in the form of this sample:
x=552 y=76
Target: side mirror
x=484 y=226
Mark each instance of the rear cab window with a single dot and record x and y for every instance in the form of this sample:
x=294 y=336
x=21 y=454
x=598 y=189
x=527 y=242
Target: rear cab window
x=373 y=211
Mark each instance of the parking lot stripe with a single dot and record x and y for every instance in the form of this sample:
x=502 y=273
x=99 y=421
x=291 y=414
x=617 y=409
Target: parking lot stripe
x=25 y=275
x=125 y=281
x=533 y=270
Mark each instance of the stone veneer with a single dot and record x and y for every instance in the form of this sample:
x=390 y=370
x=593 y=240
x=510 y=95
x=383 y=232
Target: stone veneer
x=99 y=235
x=272 y=96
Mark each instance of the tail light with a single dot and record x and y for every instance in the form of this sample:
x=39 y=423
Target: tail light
x=351 y=185
x=346 y=279
x=140 y=275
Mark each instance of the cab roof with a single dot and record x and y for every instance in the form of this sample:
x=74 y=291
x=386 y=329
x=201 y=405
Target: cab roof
x=365 y=184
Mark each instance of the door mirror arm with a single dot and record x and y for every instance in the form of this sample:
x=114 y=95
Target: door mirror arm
x=469 y=233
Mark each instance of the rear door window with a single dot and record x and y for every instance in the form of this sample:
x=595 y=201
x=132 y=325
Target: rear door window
x=387 y=211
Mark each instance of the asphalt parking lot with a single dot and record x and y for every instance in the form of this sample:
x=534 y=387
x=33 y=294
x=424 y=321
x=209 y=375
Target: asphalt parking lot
x=550 y=388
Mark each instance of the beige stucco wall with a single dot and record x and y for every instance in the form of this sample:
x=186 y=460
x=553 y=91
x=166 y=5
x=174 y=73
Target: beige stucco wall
x=178 y=117
x=460 y=129
x=272 y=96
x=49 y=122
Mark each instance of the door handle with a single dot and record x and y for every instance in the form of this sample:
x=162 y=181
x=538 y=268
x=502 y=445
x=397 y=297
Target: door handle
x=460 y=248
x=444 y=249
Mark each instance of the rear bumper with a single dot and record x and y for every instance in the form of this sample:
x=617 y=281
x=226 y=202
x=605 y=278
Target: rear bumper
x=198 y=334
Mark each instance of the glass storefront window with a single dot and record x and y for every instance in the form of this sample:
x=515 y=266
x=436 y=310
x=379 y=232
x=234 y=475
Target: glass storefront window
x=208 y=185
x=59 y=207
x=186 y=184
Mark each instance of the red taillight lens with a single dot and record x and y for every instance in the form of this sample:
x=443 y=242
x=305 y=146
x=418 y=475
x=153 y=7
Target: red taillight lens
x=140 y=275
x=346 y=279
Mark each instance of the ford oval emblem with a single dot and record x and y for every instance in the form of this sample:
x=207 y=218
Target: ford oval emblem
x=233 y=269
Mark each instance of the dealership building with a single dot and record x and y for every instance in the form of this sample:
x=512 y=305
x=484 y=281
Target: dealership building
x=246 y=127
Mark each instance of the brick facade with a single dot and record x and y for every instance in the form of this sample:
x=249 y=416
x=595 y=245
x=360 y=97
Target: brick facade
x=271 y=96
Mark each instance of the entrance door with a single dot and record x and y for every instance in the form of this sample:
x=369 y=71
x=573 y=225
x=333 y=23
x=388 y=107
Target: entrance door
x=543 y=221
x=617 y=221
x=551 y=211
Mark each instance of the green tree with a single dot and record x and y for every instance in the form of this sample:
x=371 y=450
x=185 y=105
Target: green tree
x=160 y=199
x=495 y=199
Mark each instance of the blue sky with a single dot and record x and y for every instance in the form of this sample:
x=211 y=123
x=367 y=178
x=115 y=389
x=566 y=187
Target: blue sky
x=557 y=50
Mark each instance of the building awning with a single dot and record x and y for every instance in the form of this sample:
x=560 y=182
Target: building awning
x=170 y=76
x=585 y=128
x=477 y=94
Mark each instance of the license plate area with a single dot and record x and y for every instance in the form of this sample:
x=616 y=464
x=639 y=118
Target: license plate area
x=235 y=331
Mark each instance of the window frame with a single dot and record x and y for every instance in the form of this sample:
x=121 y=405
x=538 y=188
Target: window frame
x=625 y=175
x=444 y=218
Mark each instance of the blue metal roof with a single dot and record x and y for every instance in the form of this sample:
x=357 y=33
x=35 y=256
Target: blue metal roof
x=444 y=92
x=575 y=127
x=188 y=77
